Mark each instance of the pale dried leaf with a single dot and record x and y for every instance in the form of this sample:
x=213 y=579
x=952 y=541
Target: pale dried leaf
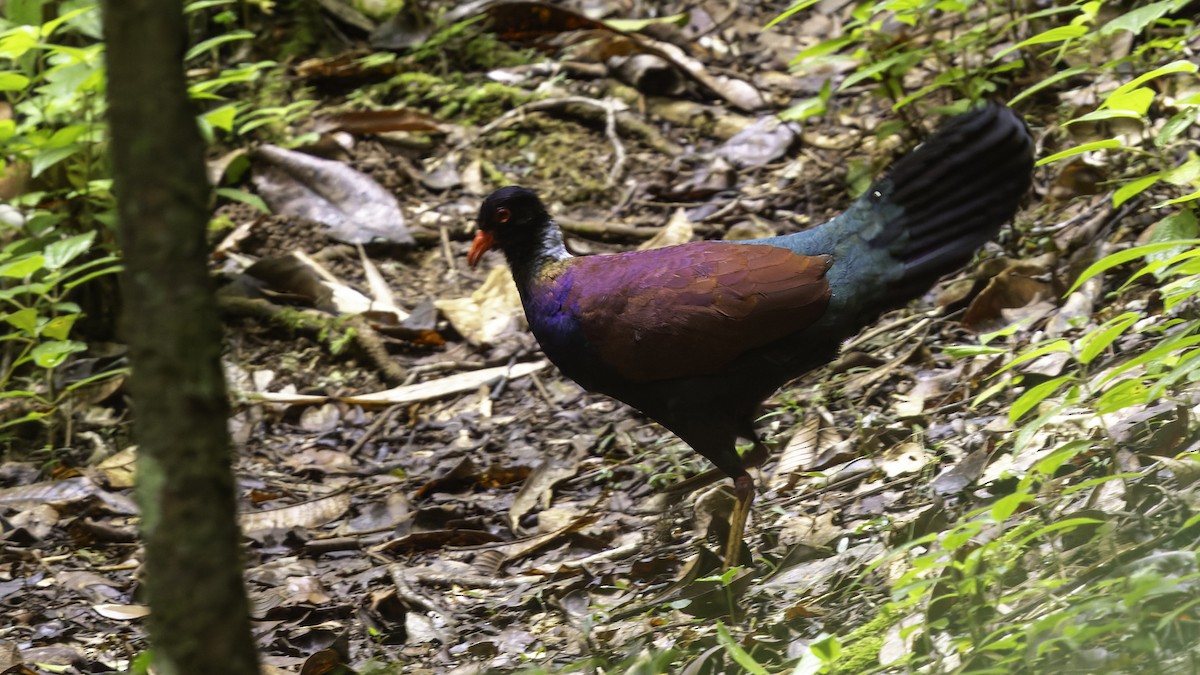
x=121 y=612
x=493 y=310
x=678 y=230
x=381 y=292
x=454 y=384
x=905 y=458
x=60 y=492
x=120 y=470
x=305 y=515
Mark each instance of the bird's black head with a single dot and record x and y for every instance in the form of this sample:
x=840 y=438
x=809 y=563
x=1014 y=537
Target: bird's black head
x=508 y=217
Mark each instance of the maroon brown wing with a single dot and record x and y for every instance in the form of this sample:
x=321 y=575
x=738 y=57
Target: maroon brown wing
x=692 y=309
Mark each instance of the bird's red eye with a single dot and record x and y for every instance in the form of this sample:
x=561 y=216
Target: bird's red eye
x=503 y=214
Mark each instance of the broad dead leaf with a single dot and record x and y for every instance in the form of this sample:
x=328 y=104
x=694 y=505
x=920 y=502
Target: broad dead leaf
x=538 y=487
x=356 y=209
x=493 y=310
x=678 y=230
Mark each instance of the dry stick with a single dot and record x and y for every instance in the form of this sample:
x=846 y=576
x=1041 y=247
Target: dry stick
x=380 y=420
x=610 y=130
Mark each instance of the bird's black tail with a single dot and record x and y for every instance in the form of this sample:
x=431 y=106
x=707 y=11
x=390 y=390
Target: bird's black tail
x=925 y=218
x=952 y=194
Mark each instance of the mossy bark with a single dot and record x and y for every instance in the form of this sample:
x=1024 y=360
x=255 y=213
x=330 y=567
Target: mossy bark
x=198 y=621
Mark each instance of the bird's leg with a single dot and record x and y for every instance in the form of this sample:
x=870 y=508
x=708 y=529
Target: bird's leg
x=743 y=492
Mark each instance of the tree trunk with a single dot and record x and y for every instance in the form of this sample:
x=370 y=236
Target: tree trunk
x=198 y=621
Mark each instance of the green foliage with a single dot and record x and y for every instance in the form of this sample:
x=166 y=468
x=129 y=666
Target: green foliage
x=60 y=237
x=1038 y=578
x=38 y=276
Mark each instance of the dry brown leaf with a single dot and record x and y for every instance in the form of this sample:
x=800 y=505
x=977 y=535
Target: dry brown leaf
x=493 y=310
x=539 y=486
x=812 y=447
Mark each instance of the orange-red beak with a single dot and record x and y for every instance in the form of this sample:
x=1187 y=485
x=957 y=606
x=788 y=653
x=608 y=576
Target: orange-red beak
x=483 y=242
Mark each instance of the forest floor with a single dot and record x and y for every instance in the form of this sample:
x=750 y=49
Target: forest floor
x=422 y=492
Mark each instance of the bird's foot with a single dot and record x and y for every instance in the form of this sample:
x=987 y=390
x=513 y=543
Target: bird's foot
x=743 y=492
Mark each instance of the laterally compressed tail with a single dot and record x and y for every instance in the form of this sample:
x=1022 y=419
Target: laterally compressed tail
x=956 y=190
x=925 y=218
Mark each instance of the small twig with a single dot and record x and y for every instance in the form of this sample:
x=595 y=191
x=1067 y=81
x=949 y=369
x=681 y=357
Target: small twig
x=380 y=420
x=541 y=389
x=610 y=130
x=448 y=254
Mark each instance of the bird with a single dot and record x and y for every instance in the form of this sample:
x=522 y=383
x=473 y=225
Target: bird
x=698 y=335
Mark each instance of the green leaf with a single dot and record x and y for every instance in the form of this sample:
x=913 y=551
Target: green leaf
x=828 y=648
x=16 y=42
x=787 y=13
x=1184 y=174
x=1059 y=345
x=1104 y=114
x=1179 y=123
x=22 y=266
x=205 y=4
x=217 y=41
x=1035 y=395
x=52 y=354
x=1134 y=188
x=1079 y=150
x=59 y=327
x=63 y=251
x=823 y=48
x=1042 y=84
x=1179 y=226
x=1065 y=453
x=1191 y=197
x=1095 y=342
x=1169 y=69
x=221 y=118
x=735 y=651
x=1072 y=489
x=1172 y=344
x=48 y=157
x=244 y=197
x=1068 y=524
x=1121 y=257
x=1056 y=34
x=1136 y=100
x=10 y=81
x=902 y=61
x=1136 y=20
x=1008 y=504
x=635 y=25
x=966 y=351
x=1122 y=395
x=24 y=320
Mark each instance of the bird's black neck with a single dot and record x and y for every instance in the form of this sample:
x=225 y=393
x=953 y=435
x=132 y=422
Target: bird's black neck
x=528 y=254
